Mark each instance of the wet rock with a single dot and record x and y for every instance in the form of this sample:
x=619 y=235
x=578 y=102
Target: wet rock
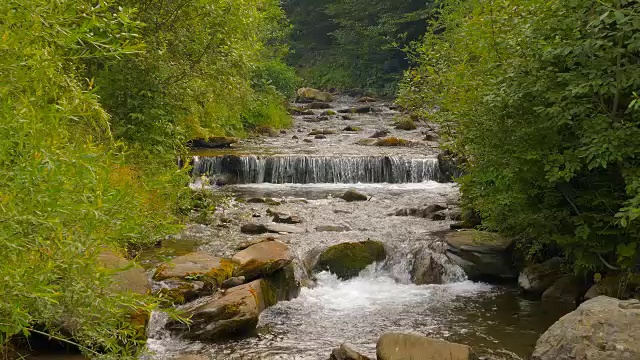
x=395 y=346
x=345 y=352
x=329 y=113
x=356 y=110
x=246 y=244
x=308 y=140
x=320 y=137
x=181 y=291
x=346 y=260
x=310 y=95
x=439 y=216
x=603 y=328
x=427 y=269
x=233 y=282
x=214 y=142
x=317 y=119
x=406 y=124
x=283 y=132
x=299 y=111
x=482 y=255
x=210 y=269
x=391 y=141
x=323 y=132
x=256 y=215
x=254 y=229
x=282 y=228
x=431 y=137
x=332 y=228
x=352 y=128
x=425 y=212
x=535 y=279
x=380 y=134
x=286 y=218
x=261 y=259
x=450 y=166
x=294 y=137
x=367 y=99
x=261 y=200
x=318 y=105
x=231 y=314
x=353 y=195
x=366 y=142
x=281 y=285
x=567 y=290
x=347 y=117
x=131 y=278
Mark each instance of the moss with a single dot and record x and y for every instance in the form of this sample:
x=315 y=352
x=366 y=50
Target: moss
x=221 y=273
x=346 y=260
x=406 y=124
x=391 y=141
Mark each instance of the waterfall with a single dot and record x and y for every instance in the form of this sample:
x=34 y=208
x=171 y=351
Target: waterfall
x=318 y=169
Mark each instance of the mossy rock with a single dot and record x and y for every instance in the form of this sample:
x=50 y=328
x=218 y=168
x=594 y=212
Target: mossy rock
x=406 y=124
x=391 y=141
x=346 y=260
x=280 y=286
x=329 y=113
x=352 y=128
x=211 y=270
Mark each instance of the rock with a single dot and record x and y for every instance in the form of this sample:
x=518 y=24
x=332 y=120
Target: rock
x=322 y=132
x=307 y=140
x=283 y=132
x=352 y=195
x=346 y=260
x=352 y=128
x=395 y=346
x=366 y=142
x=294 y=137
x=391 y=141
x=281 y=228
x=613 y=286
x=268 y=131
x=130 y=279
x=214 y=142
x=310 y=95
x=425 y=212
x=318 y=105
x=259 y=200
x=329 y=113
x=231 y=314
x=320 y=137
x=344 y=352
x=603 y=328
x=286 y=218
x=254 y=229
x=356 y=110
x=299 y=112
x=427 y=269
x=261 y=259
x=211 y=270
x=567 y=289
x=332 y=228
x=367 y=99
x=380 y=134
x=246 y=244
x=406 y=124
x=347 y=117
x=430 y=137
x=484 y=255
x=535 y=279
x=439 y=216
x=450 y=166
x=181 y=291
x=281 y=285
x=233 y=282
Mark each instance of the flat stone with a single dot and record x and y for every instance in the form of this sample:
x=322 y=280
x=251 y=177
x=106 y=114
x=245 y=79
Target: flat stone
x=282 y=228
x=332 y=228
x=481 y=254
x=262 y=259
x=395 y=346
x=196 y=266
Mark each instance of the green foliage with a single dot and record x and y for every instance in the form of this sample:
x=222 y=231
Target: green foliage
x=540 y=97
x=96 y=100
x=355 y=43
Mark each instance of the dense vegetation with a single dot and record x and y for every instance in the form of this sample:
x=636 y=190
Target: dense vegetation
x=355 y=44
x=96 y=100
x=540 y=98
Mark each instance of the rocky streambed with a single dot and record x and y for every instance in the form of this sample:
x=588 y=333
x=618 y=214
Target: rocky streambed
x=337 y=231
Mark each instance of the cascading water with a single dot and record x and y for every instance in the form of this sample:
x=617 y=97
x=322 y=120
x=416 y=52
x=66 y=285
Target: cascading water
x=318 y=169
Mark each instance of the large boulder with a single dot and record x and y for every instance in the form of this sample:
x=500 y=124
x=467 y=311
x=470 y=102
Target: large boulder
x=352 y=195
x=395 y=346
x=482 y=255
x=428 y=268
x=346 y=260
x=129 y=279
x=209 y=269
x=567 y=290
x=235 y=312
x=603 y=328
x=537 y=278
x=310 y=95
x=345 y=352
x=261 y=259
